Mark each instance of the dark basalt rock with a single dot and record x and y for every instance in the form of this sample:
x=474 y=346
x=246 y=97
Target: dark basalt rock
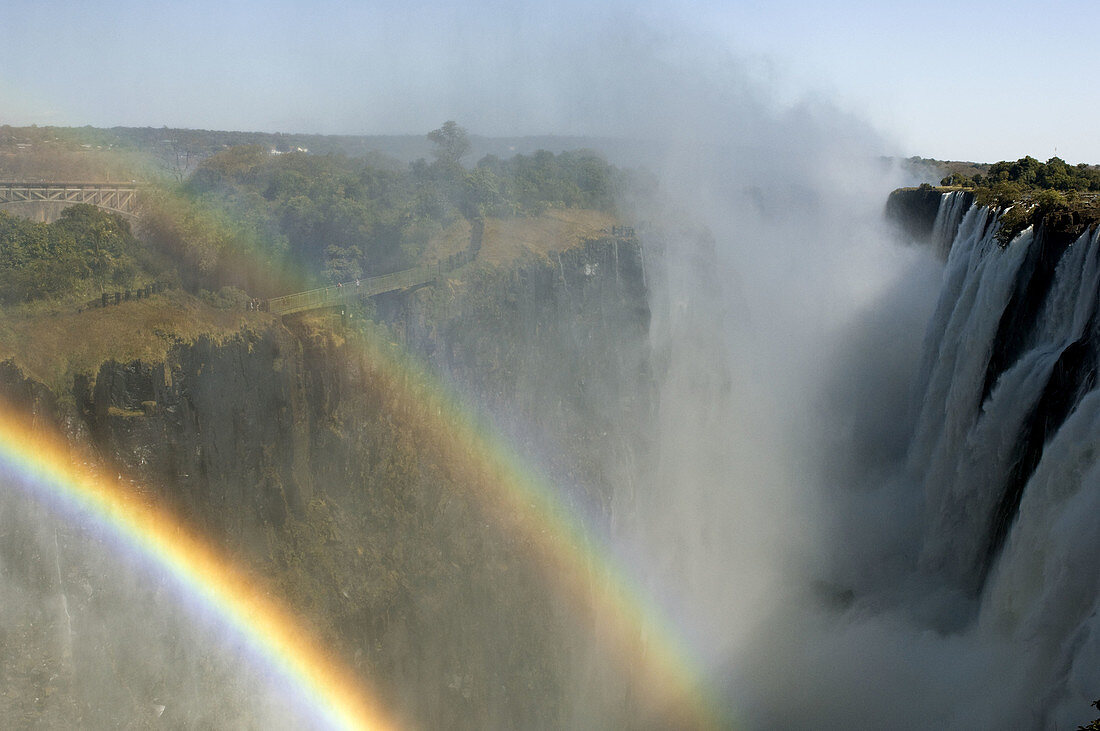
x=913 y=210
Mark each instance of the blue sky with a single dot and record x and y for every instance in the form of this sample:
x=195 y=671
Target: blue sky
x=976 y=80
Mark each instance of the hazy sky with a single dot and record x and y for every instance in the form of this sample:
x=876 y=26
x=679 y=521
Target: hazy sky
x=976 y=80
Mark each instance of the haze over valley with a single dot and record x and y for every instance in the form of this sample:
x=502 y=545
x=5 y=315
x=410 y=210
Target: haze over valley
x=673 y=365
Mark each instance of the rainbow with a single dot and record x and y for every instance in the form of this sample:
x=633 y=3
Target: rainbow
x=41 y=465
x=569 y=551
x=576 y=561
x=573 y=558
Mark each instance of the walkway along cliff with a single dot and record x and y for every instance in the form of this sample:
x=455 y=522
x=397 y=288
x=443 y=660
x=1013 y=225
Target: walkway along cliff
x=337 y=294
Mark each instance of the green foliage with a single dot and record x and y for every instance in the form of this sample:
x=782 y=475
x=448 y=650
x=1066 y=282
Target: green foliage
x=232 y=165
x=578 y=179
x=1049 y=206
x=1002 y=193
x=451 y=143
x=485 y=193
x=342 y=264
x=84 y=251
x=1013 y=221
x=325 y=216
x=334 y=218
x=227 y=298
x=1030 y=192
x=1028 y=173
x=1049 y=200
x=210 y=245
x=958 y=179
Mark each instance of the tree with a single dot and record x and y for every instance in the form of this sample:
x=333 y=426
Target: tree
x=451 y=143
x=481 y=194
x=229 y=166
x=178 y=158
x=958 y=179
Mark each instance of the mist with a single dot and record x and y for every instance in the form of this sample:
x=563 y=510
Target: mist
x=105 y=635
x=781 y=528
x=774 y=521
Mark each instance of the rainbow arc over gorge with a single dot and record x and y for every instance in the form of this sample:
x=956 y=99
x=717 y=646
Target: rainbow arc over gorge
x=572 y=555
x=576 y=562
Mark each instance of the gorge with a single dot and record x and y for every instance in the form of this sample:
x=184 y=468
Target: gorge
x=904 y=539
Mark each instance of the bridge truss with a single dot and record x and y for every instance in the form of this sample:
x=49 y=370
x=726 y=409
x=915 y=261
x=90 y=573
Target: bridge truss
x=108 y=196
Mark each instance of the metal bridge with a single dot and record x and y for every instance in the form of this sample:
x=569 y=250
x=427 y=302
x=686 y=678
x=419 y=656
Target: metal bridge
x=338 y=294
x=113 y=197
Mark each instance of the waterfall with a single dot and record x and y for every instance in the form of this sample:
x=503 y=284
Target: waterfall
x=963 y=329
x=1006 y=449
x=953 y=206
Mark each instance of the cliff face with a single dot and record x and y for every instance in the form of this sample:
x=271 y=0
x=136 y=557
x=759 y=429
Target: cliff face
x=929 y=216
x=914 y=210
x=225 y=425
x=554 y=352
x=309 y=452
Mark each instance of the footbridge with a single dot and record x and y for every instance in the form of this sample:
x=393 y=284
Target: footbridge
x=114 y=197
x=338 y=294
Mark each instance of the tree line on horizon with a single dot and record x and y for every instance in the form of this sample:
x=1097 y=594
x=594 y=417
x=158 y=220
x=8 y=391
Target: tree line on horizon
x=1010 y=179
x=331 y=218
x=1030 y=192
x=249 y=218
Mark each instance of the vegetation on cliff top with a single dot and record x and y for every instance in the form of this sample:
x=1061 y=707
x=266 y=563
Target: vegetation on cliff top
x=53 y=343
x=84 y=252
x=332 y=218
x=1027 y=174
x=1065 y=198
x=249 y=222
x=1062 y=197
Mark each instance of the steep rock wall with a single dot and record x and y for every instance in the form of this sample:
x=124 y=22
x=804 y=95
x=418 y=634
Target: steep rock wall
x=225 y=425
x=929 y=215
x=308 y=452
x=554 y=352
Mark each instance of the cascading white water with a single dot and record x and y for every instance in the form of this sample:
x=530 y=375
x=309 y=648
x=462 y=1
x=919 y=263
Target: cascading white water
x=1041 y=595
x=1044 y=595
x=951 y=405
x=948 y=219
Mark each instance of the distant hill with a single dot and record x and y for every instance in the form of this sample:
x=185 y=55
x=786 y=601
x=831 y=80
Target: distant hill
x=151 y=151
x=930 y=170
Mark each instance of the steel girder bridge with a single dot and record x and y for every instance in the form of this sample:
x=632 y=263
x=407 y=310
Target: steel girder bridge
x=113 y=197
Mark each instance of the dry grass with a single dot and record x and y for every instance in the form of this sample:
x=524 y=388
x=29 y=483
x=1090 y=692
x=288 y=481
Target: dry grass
x=52 y=347
x=506 y=240
x=453 y=239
